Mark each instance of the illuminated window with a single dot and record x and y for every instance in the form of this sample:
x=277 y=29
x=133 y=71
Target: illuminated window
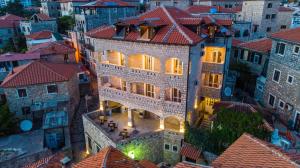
x=148 y=62
x=177 y=66
x=217 y=57
x=123 y=83
x=175 y=95
x=212 y=80
x=150 y=90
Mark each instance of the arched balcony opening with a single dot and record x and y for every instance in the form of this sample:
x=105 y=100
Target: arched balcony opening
x=113 y=82
x=174 y=66
x=145 y=89
x=112 y=57
x=214 y=55
x=172 y=123
x=144 y=62
x=173 y=95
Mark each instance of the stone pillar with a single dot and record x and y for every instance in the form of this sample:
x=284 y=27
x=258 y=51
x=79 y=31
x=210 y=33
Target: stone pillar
x=181 y=128
x=162 y=124
x=130 y=118
x=102 y=104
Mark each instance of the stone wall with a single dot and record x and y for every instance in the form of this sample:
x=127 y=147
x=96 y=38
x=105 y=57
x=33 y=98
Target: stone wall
x=181 y=4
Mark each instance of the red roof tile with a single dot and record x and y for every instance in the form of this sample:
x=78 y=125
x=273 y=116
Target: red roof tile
x=10 y=21
x=45 y=34
x=290 y=35
x=248 y=151
x=260 y=45
x=50 y=48
x=285 y=9
x=188 y=165
x=104 y=3
x=111 y=158
x=147 y=164
x=236 y=42
x=11 y=17
x=198 y=9
x=52 y=161
x=190 y=151
x=38 y=72
x=18 y=56
x=43 y=16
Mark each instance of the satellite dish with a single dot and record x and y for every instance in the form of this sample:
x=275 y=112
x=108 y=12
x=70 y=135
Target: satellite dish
x=227 y=91
x=26 y=125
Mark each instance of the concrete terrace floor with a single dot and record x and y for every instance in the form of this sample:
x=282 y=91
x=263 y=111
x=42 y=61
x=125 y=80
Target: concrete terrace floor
x=141 y=125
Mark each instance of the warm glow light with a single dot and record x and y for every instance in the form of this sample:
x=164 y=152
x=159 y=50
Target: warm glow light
x=181 y=127
x=196 y=104
x=162 y=124
x=87 y=152
x=101 y=106
x=131 y=154
x=129 y=124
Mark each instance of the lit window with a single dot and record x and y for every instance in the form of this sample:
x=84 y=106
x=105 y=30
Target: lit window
x=290 y=79
x=177 y=66
x=280 y=47
x=297 y=49
x=123 y=85
x=22 y=92
x=52 y=88
x=212 y=80
x=150 y=90
x=276 y=75
x=217 y=57
x=175 y=95
x=148 y=62
x=271 y=100
x=281 y=104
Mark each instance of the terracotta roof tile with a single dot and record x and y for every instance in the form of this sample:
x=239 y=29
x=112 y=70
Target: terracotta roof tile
x=189 y=165
x=290 y=35
x=11 y=17
x=236 y=42
x=38 y=72
x=111 y=158
x=198 y=9
x=50 y=48
x=105 y=3
x=248 y=151
x=43 y=17
x=52 y=161
x=147 y=164
x=18 y=56
x=260 y=45
x=285 y=9
x=190 y=151
x=45 y=34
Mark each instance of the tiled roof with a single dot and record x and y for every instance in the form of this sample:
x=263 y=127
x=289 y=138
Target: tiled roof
x=65 y=1
x=43 y=16
x=236 y=42
x=106 y=3
x=52 y=161
x=285 y=9
x=18 y=56
x=11 y=17
x=263 y=45
x=171 y=24
x=290 y=35
x=45 y=34
x=188 y=165
x=190 y=151
x=38 y=72
x=198 y=9
x=10 y=21
x=55 y=47
x=248 y=151
x=111 y=158
x=147 y=164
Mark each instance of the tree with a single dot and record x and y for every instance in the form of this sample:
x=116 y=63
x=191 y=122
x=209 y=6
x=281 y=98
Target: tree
x=227 y=127
x=65 y=23
x=16 y=44
x=8 y=122
x=15 y=7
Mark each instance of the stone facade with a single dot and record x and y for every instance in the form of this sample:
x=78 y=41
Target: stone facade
x=181 y=4
x=284 y=20
x=225 y=4
x=286 y=94
x=51 y=8
x=67 y=92
x=29 y=27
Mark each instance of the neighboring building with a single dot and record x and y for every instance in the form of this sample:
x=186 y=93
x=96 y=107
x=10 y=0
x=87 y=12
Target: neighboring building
x=68 y=6
x=296 y=20
x=285 y=16
x=154 y=71
x=51 y=8
x=110 y=157
x=9 y=28
x=56 y=52
x=38 y=22
x=41 y=37
x=248 y=151
x=98 y=13
x=25 y=3
x=181 y=4
x=283 y=77
x=222 y=3
x=56 y=160
x=37 y=87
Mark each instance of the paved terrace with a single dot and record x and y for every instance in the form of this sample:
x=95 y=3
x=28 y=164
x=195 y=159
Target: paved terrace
x=141 y=125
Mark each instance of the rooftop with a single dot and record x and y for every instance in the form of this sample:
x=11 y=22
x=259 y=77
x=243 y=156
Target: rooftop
x=106 y=3
x=172 y=27
x=285 y=9
x=39 y=72
x=11 y=17
x=189 y=165
x=10 y=21
x=18 y=56
x=198 y=9
x=45 y=34
x=248 y=151
x=110 y=157
x=289 y=35
x=48 y=48
x=52 y=161
x=263 y=45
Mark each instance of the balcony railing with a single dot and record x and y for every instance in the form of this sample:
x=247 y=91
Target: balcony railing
x=211 y=92
x=212 y=67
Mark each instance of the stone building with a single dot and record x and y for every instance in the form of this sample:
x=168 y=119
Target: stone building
x=284 y=20
x=51 y=8
x=95 y=14
x=181 y=4
x=40 y=37
x=283 y=77
x=38 y=22
x=68 y=6
x=222 y=3
x=39 y=87
x=154 y=72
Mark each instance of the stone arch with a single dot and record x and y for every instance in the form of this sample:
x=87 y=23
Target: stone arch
x=112 y=57
x=173 y=123
x=174 y=65
x=144 y=62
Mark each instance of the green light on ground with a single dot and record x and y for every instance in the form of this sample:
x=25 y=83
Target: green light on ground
x=131 y=154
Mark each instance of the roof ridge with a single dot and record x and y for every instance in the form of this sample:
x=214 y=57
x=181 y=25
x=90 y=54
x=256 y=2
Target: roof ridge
x=44 y=64
x=176 y=25
x=273 y=150
x=16 y=73
x=168 y=33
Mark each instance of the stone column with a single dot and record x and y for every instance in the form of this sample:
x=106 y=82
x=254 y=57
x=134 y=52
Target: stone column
x=130 y=118
x=162 y=124
x=181 y=128
x=102 y=104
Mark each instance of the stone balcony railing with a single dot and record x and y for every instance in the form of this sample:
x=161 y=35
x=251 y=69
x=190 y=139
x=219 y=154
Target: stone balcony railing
x=212 y=67
x=211 y=92
x=110 y=69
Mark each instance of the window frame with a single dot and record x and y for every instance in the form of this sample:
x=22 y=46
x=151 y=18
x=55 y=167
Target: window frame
x=274 y=74
x=281 y=101
x=176 y=148
x=280 y=43
x=50 y=86
x=270 y=94
x=166 y=144
x=294 y=48
x=287 y=79
x=25 y=93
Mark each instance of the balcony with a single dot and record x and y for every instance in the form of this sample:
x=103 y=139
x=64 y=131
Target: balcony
x=111 y=69
x=213 y=67
x=211 y=92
